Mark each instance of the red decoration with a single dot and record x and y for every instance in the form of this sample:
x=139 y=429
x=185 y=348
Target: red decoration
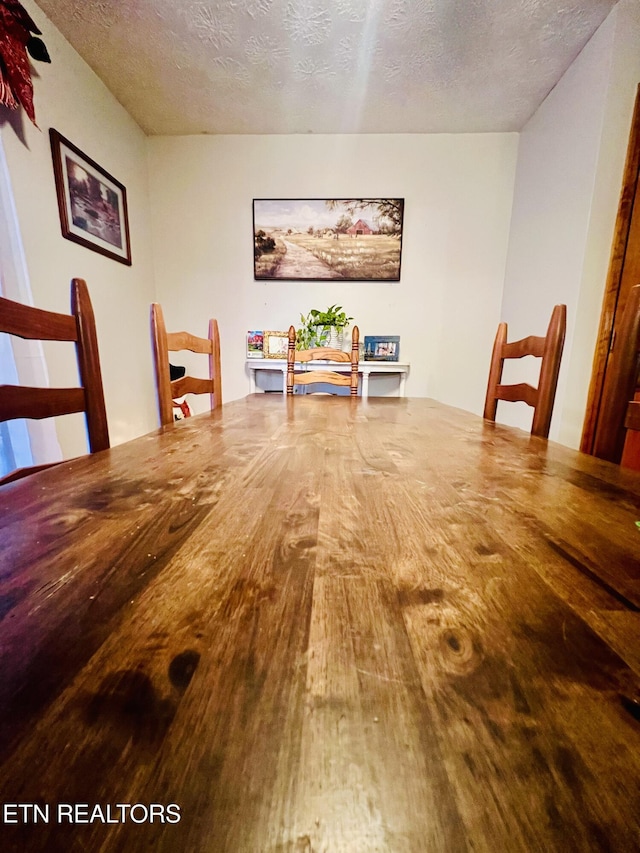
x=16 y=38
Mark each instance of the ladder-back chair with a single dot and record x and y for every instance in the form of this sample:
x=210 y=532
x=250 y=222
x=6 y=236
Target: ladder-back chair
x=325 y=377
x=17 y=401
x=165 y=342
x=549 y=349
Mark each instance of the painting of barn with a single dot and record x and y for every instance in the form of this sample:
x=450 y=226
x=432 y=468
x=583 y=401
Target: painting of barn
x=360 y=228
x=352 y=239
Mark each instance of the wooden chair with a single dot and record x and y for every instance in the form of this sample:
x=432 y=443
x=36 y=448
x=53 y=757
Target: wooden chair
x=326 y=377
x=165 y=342
x=549 y=349
x=631 y=449
x=618 y=420
x=17 y=401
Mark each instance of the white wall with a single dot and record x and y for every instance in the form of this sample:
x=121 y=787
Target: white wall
x=69 y=97
x=624 y=79
x=568 y=181
x=457 y=190
x=192 y=222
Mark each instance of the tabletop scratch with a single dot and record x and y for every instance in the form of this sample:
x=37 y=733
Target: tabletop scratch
x=381 y=677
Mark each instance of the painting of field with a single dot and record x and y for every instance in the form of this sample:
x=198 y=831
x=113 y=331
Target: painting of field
x=328 y=239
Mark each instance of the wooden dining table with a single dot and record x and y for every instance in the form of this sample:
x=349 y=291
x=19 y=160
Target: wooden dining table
x=320 y=624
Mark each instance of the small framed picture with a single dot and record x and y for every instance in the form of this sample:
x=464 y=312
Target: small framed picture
x=275 y=344
x=91 y=202
x=381 y=347
x=255 y=344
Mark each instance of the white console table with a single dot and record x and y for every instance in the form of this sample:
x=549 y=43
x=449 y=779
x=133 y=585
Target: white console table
x=366 y=369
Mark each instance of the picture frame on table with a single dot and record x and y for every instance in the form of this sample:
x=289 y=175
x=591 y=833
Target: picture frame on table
x=275 y=344
x=381 y=347
x=255 y=344
x=92 y=204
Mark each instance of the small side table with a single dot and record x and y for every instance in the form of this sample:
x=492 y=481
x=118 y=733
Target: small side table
x=366 y=369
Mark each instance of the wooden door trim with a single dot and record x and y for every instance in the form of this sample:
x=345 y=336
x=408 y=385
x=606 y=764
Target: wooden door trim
x=612 y=287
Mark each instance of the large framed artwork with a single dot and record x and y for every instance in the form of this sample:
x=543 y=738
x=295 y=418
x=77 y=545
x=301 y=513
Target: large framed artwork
x=91 y=202
x=343 y=239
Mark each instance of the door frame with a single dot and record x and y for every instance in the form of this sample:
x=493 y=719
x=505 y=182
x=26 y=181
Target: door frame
x=630 y=185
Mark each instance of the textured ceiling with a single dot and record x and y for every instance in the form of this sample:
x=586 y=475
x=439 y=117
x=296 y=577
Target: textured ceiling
x=328 y=66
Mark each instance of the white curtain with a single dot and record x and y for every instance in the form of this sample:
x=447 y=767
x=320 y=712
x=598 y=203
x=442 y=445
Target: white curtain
x=22 y=443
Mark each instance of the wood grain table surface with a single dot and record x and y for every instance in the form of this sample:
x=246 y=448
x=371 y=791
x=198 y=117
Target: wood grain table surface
x=318 y=624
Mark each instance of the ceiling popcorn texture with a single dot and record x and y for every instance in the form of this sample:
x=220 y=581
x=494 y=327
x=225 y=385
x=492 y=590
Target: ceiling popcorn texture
x=328 y=66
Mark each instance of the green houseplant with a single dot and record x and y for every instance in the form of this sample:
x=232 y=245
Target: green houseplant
x=322 y=328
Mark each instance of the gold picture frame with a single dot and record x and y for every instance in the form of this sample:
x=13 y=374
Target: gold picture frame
x=275 y=344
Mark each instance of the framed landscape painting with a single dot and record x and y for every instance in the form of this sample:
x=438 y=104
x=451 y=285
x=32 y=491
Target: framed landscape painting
x=92 y=204
x=348 y=239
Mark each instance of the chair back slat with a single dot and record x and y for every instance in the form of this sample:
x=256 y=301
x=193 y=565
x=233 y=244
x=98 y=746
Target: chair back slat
x=19 y=401
x=191 y=385
x=177 y=341
x=532 y=345
x=25 y=321
x=322 y=354
x=520 y=393
x=326 y=377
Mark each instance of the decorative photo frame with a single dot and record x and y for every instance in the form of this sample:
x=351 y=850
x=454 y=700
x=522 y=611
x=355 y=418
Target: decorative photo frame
x=347 y=239
x=255 y=344
x=381 y=347
x=274 y=344
x=91 y=202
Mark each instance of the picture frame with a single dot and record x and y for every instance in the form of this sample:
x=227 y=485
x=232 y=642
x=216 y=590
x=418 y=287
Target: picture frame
x=255 y=344
x=275 y=344
x=353 y=239
x=92 y=204
x=381 y=347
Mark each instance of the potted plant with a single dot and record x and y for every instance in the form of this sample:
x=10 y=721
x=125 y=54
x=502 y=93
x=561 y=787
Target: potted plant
x=323 y=328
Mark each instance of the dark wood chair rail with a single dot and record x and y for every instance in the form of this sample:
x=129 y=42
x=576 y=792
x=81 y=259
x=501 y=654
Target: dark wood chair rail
x=319 y=624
